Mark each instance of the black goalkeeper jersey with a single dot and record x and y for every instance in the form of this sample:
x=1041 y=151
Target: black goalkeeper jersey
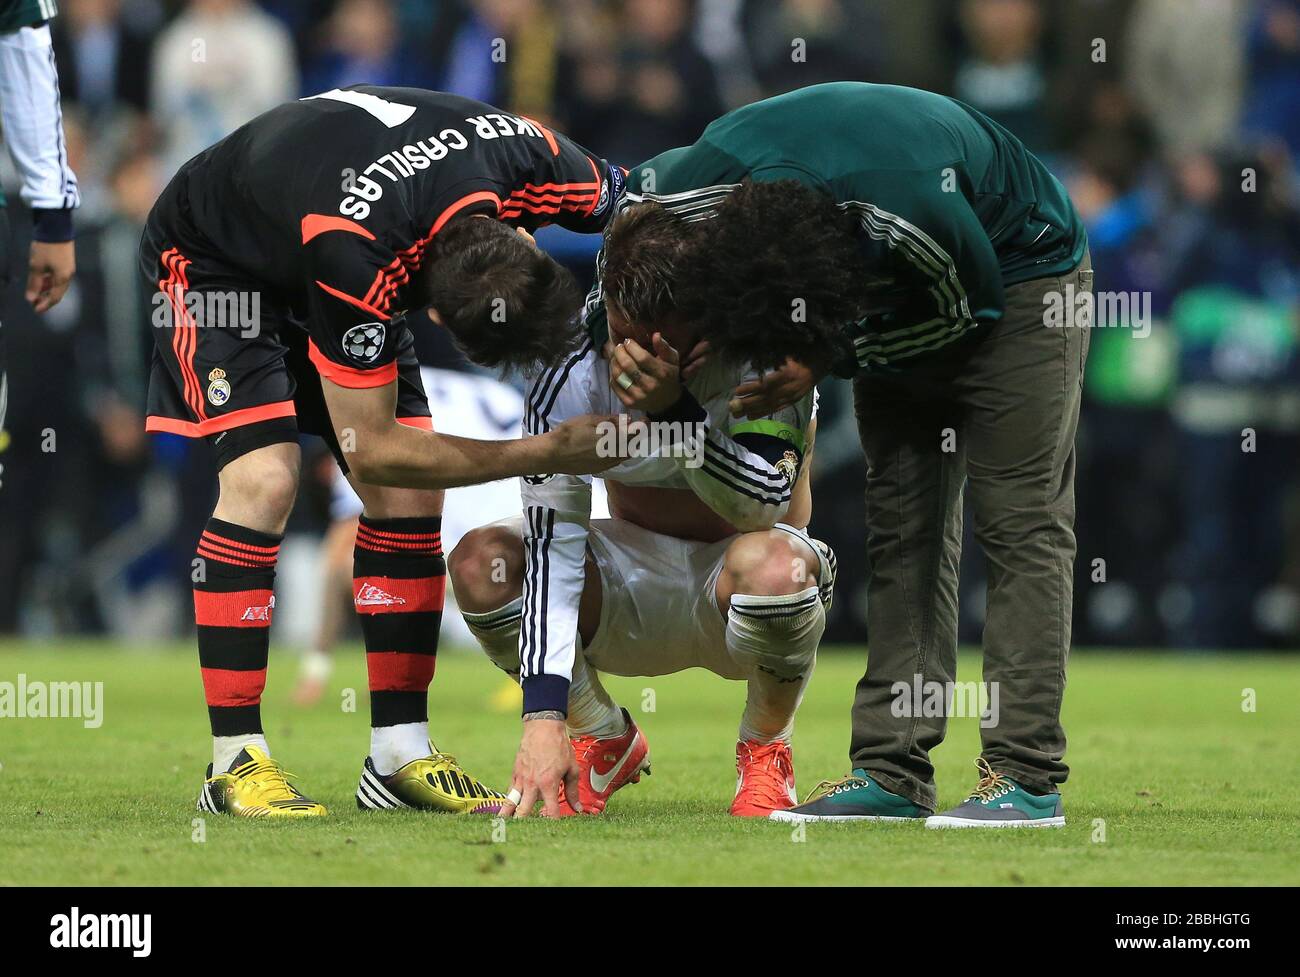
x=330 y=202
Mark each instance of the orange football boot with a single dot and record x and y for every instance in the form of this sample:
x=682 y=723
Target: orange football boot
x=605 y=765
x=765 y=779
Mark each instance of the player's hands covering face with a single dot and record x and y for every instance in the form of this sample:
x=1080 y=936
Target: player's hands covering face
x=769 y=393
x=544 y=765
x=643 y=380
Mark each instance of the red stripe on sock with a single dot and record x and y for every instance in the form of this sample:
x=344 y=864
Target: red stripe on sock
x=236 y=609
x=397 y=595
x=375 y=545
x=399 y=537
x=395 y=671
x=227 y=687
x=212 y=537
x=209 y=554
x=219 y=551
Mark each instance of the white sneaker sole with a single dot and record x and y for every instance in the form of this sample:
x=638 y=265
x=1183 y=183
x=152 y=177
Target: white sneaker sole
x=794 y=817
x=940 y=821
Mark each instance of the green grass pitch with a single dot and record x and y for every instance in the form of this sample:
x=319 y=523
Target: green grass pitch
x=1173 y=783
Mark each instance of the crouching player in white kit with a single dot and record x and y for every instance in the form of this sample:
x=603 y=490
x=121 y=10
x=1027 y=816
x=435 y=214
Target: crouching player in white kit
x=704 y=563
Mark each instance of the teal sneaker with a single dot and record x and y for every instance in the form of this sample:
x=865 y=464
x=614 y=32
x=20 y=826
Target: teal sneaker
x=1000 y=802
x=856 y=797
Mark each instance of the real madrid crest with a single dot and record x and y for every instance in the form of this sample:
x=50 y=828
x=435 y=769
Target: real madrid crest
x=218 y=387
x=788 y=466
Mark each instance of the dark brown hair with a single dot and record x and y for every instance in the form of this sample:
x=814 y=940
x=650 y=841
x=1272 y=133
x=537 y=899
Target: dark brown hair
x=507 y=304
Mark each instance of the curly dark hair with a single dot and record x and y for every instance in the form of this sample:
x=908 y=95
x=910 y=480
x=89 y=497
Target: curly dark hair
x=779 y=273
x=507 y=304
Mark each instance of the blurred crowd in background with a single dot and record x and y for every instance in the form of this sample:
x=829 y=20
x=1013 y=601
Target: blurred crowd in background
x=1175 y=124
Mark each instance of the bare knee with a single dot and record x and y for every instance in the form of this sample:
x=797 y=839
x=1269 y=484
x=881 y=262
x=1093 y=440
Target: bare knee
x=257 y=490
x=487 y=568
x=769 y=564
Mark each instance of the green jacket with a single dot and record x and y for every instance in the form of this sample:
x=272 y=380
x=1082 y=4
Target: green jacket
x=952 y=207
x=25 y=13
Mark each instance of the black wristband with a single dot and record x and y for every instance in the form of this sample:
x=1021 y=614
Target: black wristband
x=686 y=410
x=543 y=693
x=52 y=226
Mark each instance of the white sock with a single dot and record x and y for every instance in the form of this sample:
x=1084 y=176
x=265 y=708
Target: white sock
x=226 y=748
x=776 y=634
x=758 y=721
x=777 y=637
x=592 y=712
x=497 y=632
x=393 y=747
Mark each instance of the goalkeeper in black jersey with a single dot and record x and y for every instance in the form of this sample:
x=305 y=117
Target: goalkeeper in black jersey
x=286 y=257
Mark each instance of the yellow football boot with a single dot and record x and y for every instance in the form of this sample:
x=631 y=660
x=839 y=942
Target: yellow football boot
x=256 y=786
x=432 y=783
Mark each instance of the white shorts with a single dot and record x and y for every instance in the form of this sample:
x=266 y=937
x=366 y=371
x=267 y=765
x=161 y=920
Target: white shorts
x=658 y=611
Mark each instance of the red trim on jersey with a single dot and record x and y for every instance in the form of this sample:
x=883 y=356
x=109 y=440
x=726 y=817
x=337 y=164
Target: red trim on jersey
x=423 y=423
x=387 y=281
x=554 y=191
x=572 y=201
x=369 y=297
x=314 y=224
x=398 y=671
x=350 y=376
x=550 y=137
x=236 y=609
x=397 y=273
x=353 y=300
x=558 y=187
x=215 y=425
x=456 y=208
x=534 y=198
x=546 y=210
x=546 y=199
x=398 y=595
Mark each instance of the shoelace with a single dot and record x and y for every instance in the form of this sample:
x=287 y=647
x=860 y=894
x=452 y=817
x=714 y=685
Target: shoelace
x=827 y=786
x=437 y=758
x=991 y=783
x=770 y=788
x=267 y=775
